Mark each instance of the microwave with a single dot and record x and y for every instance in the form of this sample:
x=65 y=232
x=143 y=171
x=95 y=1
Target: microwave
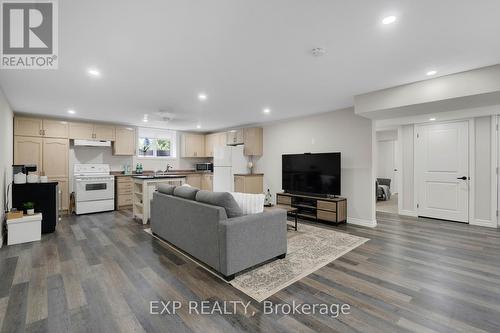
x=204 y=167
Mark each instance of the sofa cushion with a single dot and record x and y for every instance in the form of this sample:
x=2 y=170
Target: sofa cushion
x=166 y=189
x=249 y=203
x=221 y=199
x=186 y=192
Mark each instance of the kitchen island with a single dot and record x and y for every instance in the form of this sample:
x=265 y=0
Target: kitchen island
x=143 y=188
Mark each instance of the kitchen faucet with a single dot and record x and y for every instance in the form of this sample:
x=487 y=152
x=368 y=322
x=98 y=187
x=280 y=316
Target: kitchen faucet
x=168 y=167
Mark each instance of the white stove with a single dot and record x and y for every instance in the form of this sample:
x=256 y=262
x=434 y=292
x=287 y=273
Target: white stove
x=94 y=188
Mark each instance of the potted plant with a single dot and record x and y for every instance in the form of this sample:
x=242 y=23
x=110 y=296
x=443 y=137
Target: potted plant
x=145 y=147
x=29 y=208
x=162 y=147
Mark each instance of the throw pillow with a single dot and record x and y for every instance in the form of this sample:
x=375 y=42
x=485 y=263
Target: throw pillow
x=186 y=192
x=166 y=189
x=249 y=203
x=221 y=199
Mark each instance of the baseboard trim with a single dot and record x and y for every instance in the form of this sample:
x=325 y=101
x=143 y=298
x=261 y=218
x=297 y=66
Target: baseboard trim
x=362 y=222
x=408 y=213
x=483 y=223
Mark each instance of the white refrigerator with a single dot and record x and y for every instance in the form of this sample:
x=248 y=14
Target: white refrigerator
x=228 y=161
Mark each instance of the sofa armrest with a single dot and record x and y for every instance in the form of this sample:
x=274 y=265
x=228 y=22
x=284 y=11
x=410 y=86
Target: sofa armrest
x=251 y=239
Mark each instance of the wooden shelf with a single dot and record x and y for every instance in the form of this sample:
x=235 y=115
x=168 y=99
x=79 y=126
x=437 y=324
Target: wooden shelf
x=332 y=210
x=303 y=206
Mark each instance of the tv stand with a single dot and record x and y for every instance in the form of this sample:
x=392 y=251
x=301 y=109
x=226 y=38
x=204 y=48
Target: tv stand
x=332 y=210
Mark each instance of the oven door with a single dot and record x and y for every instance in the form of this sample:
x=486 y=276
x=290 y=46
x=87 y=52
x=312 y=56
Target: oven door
x=90 y=190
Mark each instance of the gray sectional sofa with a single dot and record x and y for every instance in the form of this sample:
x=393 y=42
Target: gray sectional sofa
x=210 y=227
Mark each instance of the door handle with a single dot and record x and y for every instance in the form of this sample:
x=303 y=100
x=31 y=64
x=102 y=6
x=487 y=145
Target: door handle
x=463 y=178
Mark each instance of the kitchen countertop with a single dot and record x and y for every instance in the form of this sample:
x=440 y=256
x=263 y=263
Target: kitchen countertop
x=249 y=174
x=151 y=173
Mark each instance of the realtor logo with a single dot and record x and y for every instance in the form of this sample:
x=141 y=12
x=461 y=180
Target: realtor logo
x=29 y=34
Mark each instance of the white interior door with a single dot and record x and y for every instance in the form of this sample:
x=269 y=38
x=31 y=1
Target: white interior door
x=442 y=168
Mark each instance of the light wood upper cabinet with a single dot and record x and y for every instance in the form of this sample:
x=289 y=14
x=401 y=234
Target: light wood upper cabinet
x=81 y=131
x=88 y=131
x=55 y=157
x=210 y=143
x=193 y=145
x=125 y=143
x=253 y=140
x=235 y=137
x=104 y=132
x=28 y=150
x=55 y=128
x=28 y=126
x=214 y=140
x=221 y=139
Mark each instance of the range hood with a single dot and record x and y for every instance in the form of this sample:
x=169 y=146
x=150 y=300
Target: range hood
x=92 y=143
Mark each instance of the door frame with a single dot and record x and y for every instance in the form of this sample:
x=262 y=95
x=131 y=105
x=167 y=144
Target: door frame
x=416 y=183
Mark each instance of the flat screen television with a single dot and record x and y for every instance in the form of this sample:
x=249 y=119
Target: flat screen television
x=314 y=174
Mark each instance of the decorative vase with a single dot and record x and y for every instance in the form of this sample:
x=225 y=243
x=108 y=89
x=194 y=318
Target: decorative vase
x=30 y=211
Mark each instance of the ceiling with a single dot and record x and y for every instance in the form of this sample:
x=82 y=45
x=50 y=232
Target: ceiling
x=246 y=56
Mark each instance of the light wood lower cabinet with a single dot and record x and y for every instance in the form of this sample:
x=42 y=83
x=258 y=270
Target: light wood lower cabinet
x=194 y=180
x=124 y=187
x=249 y=183
x=63 y=195
x=28 y=150
x=207 y=182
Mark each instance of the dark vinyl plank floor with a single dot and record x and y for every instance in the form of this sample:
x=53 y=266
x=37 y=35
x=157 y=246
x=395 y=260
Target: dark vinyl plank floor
x=98 y=273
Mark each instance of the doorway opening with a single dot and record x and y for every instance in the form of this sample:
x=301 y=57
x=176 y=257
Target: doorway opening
x=386 y=185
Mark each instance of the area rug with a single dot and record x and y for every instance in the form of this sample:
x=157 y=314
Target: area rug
x=309 y=249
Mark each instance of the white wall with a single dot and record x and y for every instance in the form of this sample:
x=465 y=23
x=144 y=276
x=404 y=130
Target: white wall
x=6 y=155
x=484 y=186
x=337 y=131
x=406 y=197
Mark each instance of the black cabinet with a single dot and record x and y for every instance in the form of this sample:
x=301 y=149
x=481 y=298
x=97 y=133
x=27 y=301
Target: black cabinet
x=44 y=196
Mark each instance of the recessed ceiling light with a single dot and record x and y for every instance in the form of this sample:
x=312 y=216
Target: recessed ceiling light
x=389 y=19
x=266 y=111
x=432 y=119
x=145 y=118
x=431 y=73
x=71 y=111
x=202 y=97
x=198 y=126
x=93 y=72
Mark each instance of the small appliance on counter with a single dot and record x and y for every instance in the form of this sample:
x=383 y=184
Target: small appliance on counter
x=204 y=167
x=24 y=173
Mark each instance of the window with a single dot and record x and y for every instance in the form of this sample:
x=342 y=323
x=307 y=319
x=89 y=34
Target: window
x=156 y=143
